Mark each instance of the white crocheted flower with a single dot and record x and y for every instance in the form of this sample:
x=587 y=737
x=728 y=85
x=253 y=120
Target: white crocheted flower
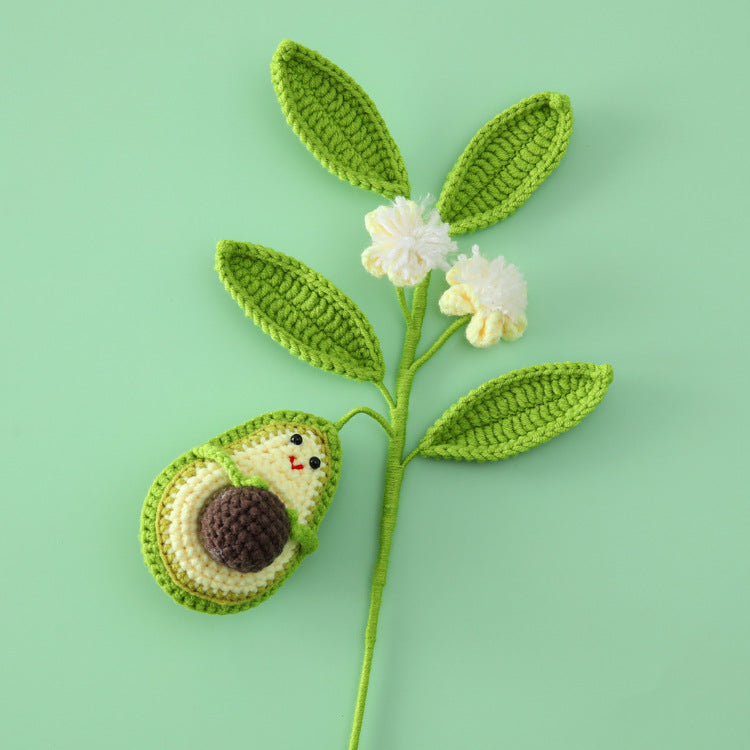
x=405 y=245
x=493 y=292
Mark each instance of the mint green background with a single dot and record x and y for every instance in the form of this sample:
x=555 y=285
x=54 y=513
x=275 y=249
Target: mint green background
x=590 y=595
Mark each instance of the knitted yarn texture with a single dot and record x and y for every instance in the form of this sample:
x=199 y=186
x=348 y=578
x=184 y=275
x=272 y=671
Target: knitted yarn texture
x=226 y=524
x=337 y=121
x=264 y=454
x=245 y=528
x=517 y=412
x=506 y=161
x=301 y=309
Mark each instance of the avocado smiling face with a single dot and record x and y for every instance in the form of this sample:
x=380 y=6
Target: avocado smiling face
x=292 y=458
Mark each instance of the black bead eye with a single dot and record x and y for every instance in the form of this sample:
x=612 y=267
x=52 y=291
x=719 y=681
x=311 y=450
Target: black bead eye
x=315 y=462
x=296 y=439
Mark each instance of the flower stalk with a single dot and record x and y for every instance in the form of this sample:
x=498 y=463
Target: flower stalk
x=489 y=298
x=394 y=474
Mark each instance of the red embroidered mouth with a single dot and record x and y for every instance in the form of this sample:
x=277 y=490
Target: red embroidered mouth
x=298 y=466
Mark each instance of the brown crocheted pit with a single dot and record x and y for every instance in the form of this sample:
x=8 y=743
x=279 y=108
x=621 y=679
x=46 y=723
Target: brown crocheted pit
x=245 y=528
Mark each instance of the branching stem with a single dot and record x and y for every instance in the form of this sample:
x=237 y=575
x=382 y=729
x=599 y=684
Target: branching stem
x=379 y=418
x=394 y=474
x=444 y=336
x=386 y=395
x=404 y=304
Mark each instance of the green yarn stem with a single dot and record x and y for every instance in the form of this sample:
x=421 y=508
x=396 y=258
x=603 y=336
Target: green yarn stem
x=379 y=418
x=402 y=302
x=394 y=474
x=408 y=459
x=386 y=395
x=444 y=336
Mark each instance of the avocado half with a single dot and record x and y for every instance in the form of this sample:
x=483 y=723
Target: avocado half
x=297 y=456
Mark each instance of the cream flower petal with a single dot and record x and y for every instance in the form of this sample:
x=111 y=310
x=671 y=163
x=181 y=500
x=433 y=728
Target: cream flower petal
x=513 y=331
x=494 y=291
x=498 y=285
x=485 y=328
x=405 y=245
x=458 y=300
x=371 y=260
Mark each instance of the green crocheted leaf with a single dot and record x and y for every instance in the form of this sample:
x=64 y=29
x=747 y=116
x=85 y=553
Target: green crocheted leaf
x=337 y=121
x=506 y=161
x=518 y=411
x=301 y=309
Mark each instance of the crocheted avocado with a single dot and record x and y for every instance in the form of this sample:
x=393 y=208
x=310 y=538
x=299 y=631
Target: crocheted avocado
x=226 y=524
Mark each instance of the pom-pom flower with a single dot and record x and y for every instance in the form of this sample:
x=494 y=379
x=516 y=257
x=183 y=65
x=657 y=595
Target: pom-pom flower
x=405 y=245
x=493 y=292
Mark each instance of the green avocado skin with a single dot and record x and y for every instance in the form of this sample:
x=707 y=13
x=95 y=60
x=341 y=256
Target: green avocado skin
x=148 y=534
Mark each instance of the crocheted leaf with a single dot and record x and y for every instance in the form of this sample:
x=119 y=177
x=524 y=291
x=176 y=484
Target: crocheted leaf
x=506 y=161
x=518 y=411
x=337 y=121
x=301 y=309
x=182 y=557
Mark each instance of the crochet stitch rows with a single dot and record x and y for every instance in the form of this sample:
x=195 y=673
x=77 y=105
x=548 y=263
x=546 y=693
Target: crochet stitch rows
x=517 y=411
x=506 y=161
x=337 y=120
x=245 y=528
x=170 y=521
x=301 y=310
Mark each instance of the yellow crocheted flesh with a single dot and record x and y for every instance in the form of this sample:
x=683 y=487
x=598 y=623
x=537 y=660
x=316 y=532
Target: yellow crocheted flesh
x=265 y=453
